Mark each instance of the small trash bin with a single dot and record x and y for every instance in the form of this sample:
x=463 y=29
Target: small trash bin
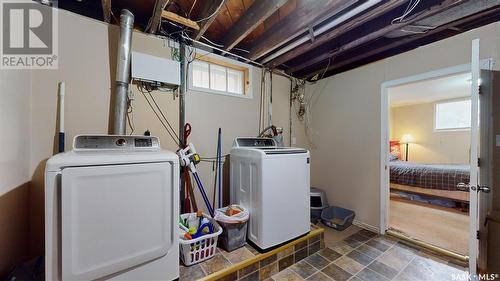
x=337 y=218
x=234 y=234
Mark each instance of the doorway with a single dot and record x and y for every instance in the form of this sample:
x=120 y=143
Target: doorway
x=385 y=161
x=429 y=129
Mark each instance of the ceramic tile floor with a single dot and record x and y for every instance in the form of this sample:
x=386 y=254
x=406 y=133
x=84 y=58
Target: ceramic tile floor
x=220 y=261
x=361 y=255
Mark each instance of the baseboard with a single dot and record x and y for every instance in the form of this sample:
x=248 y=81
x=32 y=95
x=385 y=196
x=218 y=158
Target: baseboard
x=366 y=226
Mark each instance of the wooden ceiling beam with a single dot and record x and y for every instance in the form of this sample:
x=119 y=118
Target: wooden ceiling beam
x=377 y=34
x=209 y=7
x=155 y=20
x=106 y=10
x=251 y=19
x=180 y=20
x=308 y=13
x=337 y=31
x=399 y=43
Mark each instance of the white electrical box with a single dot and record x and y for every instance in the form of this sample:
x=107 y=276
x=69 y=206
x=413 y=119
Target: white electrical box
x=155 y=69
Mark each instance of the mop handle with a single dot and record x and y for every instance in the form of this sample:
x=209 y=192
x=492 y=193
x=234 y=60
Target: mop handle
x=203 y=194
x=61 y=116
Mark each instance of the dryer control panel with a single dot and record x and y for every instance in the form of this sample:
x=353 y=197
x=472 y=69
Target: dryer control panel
x=115 y=142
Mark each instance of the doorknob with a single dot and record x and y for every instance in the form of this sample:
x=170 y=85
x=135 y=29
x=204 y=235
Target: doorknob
x=463 y=186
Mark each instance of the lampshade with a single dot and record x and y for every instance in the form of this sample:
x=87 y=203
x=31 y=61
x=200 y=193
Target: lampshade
x=407 y=138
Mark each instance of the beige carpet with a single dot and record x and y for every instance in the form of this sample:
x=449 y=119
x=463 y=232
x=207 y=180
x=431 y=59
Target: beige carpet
x=443 y=227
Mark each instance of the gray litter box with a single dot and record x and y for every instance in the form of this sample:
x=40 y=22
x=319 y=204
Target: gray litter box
x=318 y=203
x=337 y=218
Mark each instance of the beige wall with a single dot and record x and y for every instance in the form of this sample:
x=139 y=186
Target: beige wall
x=15 y=124
x=430 y=146
x=87 y=65
x=346 y=119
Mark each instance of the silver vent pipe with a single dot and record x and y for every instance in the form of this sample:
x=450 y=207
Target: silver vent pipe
x=123 y=72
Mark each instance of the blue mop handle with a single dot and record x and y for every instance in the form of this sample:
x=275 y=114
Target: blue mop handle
x=219 y=167
x=203 y=194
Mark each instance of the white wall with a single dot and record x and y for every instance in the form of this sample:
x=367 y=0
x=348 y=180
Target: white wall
x=347 y=118
x=430 y=146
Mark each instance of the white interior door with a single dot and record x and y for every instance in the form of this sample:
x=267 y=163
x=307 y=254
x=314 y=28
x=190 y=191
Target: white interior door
x=474 y=156
x=114 y=218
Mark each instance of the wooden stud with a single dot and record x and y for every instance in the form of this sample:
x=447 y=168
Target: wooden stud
x=106 y=10
x=180 y=20
x=155 y=19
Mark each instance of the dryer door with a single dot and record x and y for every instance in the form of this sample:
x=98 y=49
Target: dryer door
x=115 y=217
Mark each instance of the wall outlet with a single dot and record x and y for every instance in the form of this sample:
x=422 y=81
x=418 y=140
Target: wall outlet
x=497 y=140
x=294 y=140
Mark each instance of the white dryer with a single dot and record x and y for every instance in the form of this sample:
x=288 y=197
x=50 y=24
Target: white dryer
x=111 y=210
x=273 y=183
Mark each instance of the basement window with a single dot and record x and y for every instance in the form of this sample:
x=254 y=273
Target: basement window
x=452 y=115
x=211 y=75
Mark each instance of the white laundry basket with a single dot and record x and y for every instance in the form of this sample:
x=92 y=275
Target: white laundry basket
x=202 y=248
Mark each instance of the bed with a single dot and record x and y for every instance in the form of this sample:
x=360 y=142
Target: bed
x=436 y=180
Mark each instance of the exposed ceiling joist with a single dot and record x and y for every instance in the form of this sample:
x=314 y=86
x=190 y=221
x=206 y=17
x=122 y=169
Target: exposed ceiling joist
x=307 y=13
x=155 y=19
x=210 y=7
x=251 y=19
x=404 y=41
x=180 y=20
x=377 y=34
x=106 y=10
x=335 y=32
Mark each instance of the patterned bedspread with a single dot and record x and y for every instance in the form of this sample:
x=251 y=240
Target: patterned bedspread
x=432 y=176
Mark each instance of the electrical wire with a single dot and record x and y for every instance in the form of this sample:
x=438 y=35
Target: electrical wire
x=174 y=137
x=215 y=157
x=213 y=14
x=222 y=46
x=206 y=39
x=408 y=10
x=130 y=112
x=163 y=115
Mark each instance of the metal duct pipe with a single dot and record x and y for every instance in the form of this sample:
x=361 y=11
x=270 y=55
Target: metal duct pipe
x=122 y=72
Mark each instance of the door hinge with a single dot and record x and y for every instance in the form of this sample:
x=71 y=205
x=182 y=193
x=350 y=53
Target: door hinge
x=479 y=162
x=479 y=88
x=478 y=235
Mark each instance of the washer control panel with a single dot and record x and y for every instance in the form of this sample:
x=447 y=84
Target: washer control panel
x=254 y=142
x=115 y=142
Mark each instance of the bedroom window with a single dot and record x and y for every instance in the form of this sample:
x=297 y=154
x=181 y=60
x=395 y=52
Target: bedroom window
x=452 y=115
x=216 y=76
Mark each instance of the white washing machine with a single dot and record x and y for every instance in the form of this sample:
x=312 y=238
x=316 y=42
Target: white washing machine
x=111 y=210
x=273 y=183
